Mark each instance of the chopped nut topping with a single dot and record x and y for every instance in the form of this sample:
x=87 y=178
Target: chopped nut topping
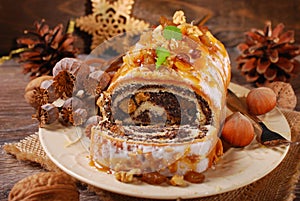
x=127 y=177
x=177 y=180
x=179 y=17
x=193 y=30
x=124 y=177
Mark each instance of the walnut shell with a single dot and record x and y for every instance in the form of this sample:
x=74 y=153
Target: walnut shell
x=46 y=186
x=261 y=100
x=285 y=94
x=37 y=82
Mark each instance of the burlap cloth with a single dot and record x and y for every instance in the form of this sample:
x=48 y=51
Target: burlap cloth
x=277 y=185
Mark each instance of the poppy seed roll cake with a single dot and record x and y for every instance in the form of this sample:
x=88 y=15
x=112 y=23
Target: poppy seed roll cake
x=164 y=107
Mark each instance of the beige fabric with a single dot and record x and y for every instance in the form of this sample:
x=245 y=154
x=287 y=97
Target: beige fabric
x=281 y=181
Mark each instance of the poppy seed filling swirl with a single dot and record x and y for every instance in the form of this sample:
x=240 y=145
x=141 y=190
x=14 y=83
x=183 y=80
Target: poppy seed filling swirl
x=157 y=113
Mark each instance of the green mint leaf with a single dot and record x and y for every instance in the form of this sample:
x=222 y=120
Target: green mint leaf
x=162 y=54
x=170 y=32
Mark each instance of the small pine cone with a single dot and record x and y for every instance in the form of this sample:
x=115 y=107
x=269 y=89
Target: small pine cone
x=268 y=55
x=44 y=48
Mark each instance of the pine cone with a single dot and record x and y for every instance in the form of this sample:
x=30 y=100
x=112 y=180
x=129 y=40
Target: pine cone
x=45 y=47
x=268 y=55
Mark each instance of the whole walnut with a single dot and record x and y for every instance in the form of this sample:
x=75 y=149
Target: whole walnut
x=286 y=97
x=46 y=186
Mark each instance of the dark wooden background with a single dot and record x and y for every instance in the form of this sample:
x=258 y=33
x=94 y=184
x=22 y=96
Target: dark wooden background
x=229 y=20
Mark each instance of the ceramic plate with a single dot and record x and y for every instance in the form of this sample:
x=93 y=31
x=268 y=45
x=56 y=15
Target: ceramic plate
x=238 y=167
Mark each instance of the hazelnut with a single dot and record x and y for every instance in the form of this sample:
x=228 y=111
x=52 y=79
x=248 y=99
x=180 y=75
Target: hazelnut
x=261 y=100
x=64 y=84
x=90 y=122
x=73 y=112
x=238 y=131
x=73 y=103
x=46 y=186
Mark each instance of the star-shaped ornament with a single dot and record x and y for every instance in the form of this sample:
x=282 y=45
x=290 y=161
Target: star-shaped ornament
x=108 y=20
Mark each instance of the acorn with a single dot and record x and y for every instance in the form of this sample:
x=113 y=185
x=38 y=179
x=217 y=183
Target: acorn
x=238 y=130
x=261 y=100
